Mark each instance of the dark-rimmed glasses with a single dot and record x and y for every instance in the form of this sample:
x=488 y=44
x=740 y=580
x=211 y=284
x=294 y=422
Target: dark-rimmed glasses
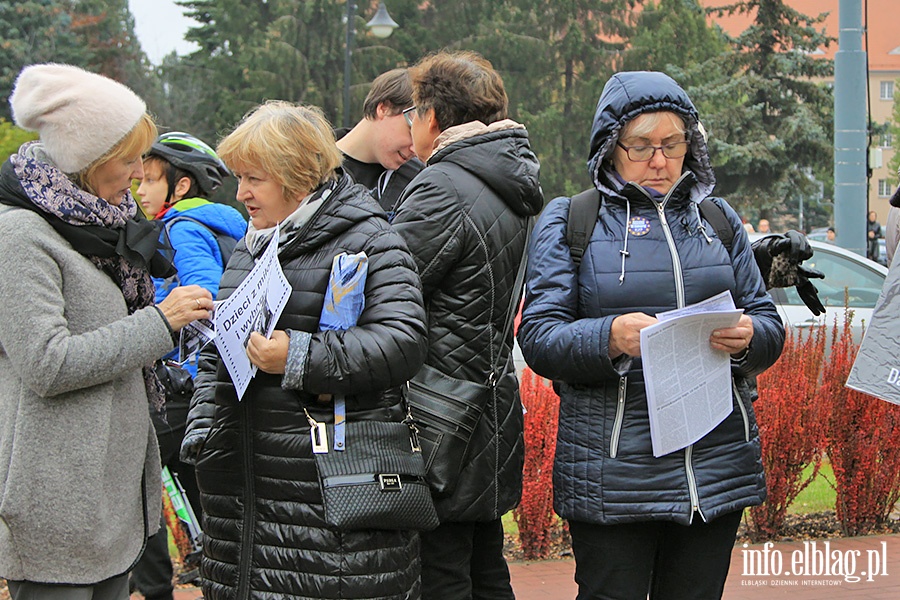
x=407 y=114
x=646 y=153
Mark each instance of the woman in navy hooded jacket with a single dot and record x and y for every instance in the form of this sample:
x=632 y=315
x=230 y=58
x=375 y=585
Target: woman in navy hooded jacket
x=639 y=523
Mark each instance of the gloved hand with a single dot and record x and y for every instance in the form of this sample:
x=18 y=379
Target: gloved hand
x=785 y=252
x=808 y=292
x=779 y=258
x=192 y=443
x=794 y=244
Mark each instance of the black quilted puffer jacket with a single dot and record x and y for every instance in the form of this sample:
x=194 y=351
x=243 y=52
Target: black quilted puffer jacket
x=265 y=535
x=464 y=218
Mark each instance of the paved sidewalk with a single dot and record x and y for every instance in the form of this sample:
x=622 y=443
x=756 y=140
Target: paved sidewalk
x=826 y=569
x=545 y=580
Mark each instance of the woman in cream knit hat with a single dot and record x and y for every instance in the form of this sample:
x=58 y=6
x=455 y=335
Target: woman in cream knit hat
x=79 y=466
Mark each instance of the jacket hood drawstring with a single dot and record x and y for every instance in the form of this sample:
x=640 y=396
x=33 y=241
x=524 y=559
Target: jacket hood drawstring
x=663 y=200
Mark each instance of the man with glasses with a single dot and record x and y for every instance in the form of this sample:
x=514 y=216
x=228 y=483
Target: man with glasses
x=378 y=151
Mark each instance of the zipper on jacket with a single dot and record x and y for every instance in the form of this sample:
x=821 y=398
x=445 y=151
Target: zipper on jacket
x=670 y=240
x=740 y=403
x=249 y=522
x=673 y=251
x=620 y=416
x=692 y=483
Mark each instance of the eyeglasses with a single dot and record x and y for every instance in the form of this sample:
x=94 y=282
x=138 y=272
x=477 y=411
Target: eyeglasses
x=646 y=153
x=407 y=114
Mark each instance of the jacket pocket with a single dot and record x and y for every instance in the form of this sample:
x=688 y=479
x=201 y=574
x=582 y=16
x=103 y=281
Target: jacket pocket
x=620 y=417
x=740 y=402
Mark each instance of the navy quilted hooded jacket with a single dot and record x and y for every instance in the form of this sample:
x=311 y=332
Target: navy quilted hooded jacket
x=605 y=471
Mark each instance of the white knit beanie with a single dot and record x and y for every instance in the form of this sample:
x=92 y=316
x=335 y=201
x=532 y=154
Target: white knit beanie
x=79 y=115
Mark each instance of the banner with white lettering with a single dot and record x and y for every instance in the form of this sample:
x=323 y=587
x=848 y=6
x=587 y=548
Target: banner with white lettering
x=876 y=370
x=255 y=305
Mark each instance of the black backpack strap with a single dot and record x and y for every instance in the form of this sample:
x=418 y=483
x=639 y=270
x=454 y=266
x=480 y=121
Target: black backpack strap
x=583 y=209
x=714 y=213
x=226 y=242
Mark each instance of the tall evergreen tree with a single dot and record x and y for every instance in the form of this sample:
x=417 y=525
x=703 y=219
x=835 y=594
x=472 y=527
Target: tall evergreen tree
x=767 y=109
x=34 y=31
x=285 y=49
x=577 y=47
x=673 y=32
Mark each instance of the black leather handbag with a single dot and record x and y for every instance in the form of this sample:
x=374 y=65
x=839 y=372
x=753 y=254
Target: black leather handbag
x=448 y=409
x=377 y=481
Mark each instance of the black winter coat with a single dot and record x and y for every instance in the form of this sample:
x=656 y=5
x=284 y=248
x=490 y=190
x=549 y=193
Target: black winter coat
x=265 y=535
x=464 y=218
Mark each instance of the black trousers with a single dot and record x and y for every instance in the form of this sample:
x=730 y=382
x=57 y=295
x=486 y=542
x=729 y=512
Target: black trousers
x=152 y=575
x=464 y=561
x=666 y=560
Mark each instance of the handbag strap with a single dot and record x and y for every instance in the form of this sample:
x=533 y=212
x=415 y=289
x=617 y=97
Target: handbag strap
x=340 y=410
x=513 y=304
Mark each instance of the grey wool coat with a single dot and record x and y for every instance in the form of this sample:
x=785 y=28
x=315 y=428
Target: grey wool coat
x=79 y=464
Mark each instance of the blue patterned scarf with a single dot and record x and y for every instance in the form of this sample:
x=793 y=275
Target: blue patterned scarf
x=78 y=214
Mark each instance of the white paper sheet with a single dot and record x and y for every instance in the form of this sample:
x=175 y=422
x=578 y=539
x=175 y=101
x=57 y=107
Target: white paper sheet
x=255 y=305
x=688 y=384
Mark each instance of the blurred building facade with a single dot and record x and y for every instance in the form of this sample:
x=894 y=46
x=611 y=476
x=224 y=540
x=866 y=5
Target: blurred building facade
x=882 y=44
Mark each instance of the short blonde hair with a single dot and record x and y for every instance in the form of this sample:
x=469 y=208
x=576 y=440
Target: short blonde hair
x=649 y=123
x=135 y=143
x=292 y=143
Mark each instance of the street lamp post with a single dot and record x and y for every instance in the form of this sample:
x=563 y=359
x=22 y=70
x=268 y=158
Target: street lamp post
x=381 y=26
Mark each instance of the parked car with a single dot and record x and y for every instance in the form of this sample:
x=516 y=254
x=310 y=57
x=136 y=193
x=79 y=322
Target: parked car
x=819 y=234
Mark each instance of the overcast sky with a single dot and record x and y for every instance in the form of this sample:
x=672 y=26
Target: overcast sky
x=160 y=26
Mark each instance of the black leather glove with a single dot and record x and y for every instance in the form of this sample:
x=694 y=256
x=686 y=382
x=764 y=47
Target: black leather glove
x=779 y=258
x=808 y=292
x=793 y=244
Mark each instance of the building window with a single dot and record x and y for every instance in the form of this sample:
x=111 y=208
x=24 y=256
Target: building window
x=887 y=90
x=884 y=188
x=887 y=140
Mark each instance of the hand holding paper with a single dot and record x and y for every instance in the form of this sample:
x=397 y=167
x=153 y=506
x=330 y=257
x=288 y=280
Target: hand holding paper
x=733 y=340
x=625 y=333
x=269 y=355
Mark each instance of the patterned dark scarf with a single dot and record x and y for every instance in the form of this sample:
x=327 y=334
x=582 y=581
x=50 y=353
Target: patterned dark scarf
x=109 y=236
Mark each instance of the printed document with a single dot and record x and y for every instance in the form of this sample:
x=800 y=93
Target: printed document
x=688 y=384
x=255 y=305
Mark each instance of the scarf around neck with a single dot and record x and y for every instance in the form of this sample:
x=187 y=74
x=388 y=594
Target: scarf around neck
x=257 y=239
x=122 y=246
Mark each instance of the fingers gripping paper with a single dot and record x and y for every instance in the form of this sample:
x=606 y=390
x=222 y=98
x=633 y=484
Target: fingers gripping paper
x=255 y=305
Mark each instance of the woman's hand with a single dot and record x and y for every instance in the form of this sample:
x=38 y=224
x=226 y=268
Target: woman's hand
x=185 y=304
x=733 y=340
x=625 y=333
x=270 y=355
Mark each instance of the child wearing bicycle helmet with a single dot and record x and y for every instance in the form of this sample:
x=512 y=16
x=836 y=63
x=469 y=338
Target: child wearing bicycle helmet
x=180 y=174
